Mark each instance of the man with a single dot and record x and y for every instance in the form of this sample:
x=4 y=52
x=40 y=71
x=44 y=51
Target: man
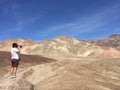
x=15 y=58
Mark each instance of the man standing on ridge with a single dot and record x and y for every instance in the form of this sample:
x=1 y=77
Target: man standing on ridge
x=15 y=58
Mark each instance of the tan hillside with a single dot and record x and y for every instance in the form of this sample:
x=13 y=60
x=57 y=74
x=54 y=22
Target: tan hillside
x=64 y=47
x=112 y=41
x=7 y=44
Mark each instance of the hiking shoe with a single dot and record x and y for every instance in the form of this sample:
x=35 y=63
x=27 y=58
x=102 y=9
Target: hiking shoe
x=12 y=77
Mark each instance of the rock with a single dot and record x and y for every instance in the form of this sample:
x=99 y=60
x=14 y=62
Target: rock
x=81 y=75
x=16 y=84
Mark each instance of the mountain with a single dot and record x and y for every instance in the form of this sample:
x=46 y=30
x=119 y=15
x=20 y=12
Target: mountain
x=112 y=41
x=7 y=44
x=64 y=47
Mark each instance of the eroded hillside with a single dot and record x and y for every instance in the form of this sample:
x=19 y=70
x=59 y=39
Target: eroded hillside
x=63 y=47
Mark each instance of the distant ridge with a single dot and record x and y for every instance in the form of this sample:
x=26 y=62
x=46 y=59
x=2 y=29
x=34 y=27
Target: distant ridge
x=112 y=41
x=63 y=47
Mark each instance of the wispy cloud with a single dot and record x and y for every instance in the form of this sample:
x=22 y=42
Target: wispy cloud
x=87 y=24
x=11 y=8
x=21 y=23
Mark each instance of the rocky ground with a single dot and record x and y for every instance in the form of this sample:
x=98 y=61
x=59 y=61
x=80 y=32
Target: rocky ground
x=69 y=74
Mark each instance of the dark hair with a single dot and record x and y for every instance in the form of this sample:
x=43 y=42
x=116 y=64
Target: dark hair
x=14 y=45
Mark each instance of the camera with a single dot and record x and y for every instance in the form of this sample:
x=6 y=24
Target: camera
x=20 y=46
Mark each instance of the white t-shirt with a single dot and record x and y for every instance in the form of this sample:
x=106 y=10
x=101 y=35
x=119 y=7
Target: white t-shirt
x=14 y=53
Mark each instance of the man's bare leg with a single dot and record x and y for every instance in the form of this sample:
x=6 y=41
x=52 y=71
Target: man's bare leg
x=14 y=71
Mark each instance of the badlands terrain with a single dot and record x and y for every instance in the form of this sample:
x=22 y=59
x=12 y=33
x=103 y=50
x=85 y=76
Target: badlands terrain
x=63 y=47
x=63 y=64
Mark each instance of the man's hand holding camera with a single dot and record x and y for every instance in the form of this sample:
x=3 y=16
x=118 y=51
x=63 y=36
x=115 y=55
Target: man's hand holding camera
x=19 y=46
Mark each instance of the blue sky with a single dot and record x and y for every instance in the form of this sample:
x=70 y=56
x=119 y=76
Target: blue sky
x=46 y=19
